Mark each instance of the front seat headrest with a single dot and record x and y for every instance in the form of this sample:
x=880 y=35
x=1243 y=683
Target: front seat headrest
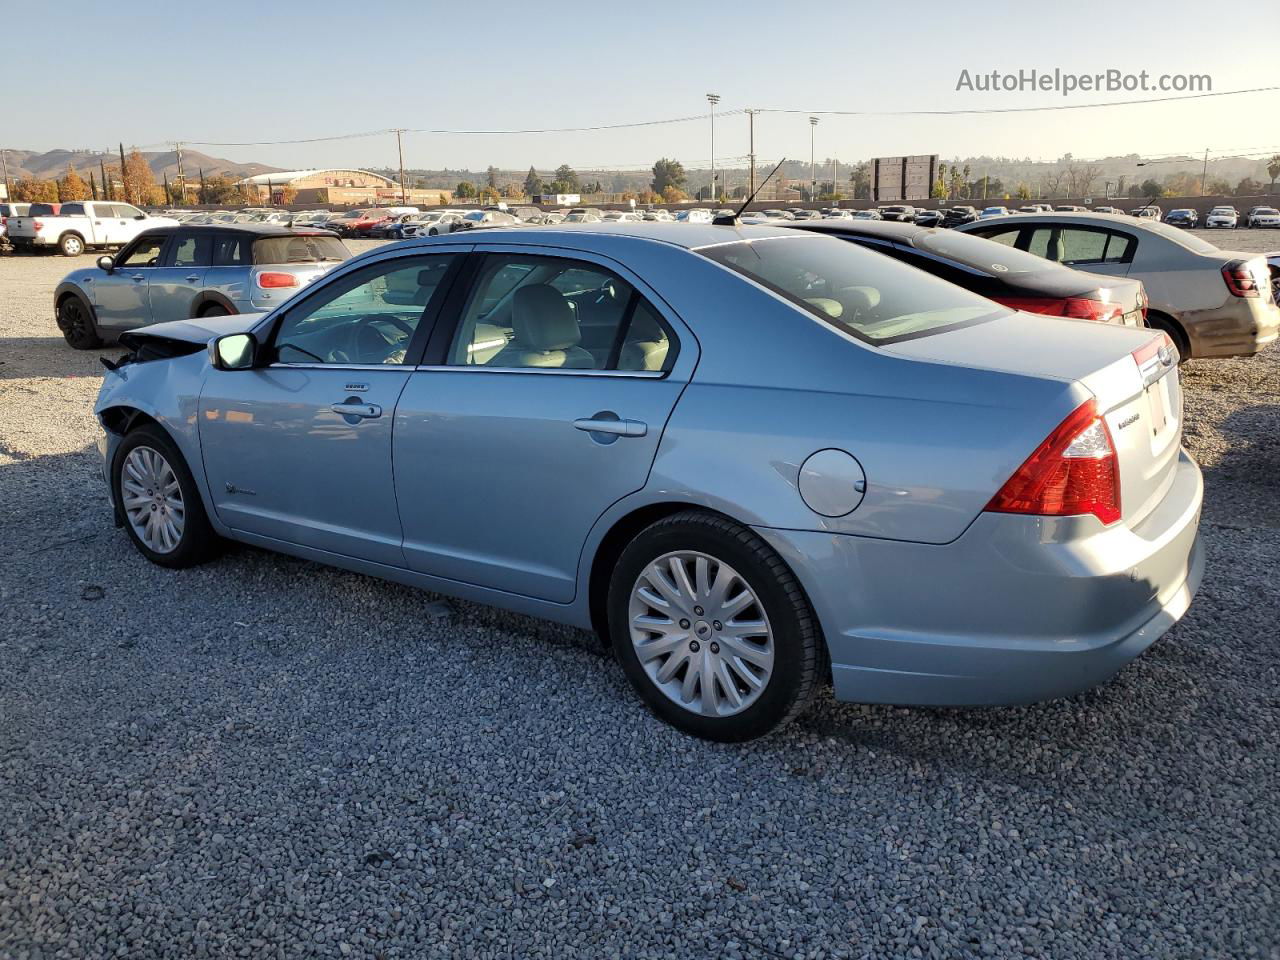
x=543 y=320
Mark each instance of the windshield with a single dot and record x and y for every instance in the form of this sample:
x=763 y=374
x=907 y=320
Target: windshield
x=994 y=210
x=353 y=215
x=298 y=249
x=855 y=290
x=1264 y=211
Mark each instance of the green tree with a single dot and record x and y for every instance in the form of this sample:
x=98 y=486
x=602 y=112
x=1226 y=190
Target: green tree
x=667 y=173
x=1273 y=171
x=1150 y=189
x=566 y=174
x=532 y=182
x=939 y=191
x=957 y=182
x=491 y=178
x=221 y=190
x=1248 y=187
x=72 y=187
x=465 y=190
x=860 y=180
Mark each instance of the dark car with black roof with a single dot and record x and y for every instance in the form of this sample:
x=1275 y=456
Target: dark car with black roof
x=994 y=270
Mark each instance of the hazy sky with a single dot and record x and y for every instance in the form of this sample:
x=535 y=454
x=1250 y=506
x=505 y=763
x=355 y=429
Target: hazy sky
x=253 y=71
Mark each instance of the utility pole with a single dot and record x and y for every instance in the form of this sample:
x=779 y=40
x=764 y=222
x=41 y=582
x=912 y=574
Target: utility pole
x=8 y=187
x=835 y=170
x=813 y=166
x=400 y=150
x=182 y=180
x=1205 y=172
x=713 y=99
x=751 y=151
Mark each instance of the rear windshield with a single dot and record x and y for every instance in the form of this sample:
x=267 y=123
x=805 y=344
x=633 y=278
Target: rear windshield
x=41 y=210
x=1180 y=237
x=980 y=253
x=860 y=292
x=300 y=249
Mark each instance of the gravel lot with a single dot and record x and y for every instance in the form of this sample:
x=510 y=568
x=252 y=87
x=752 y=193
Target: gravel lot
x=267 y=758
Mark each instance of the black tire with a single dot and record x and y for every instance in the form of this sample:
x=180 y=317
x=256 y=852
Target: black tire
x=71 y=245
x=797 y=638
x=1158 y=321
x=198 y=541
x=75 y=320
x=213 y=310
x=433 y=232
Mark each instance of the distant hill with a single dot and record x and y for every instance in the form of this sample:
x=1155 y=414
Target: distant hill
x=53 y=164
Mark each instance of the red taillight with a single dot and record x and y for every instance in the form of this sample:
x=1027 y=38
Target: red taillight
x=1241 y=281
x=1074 y=472
x=270 y=280
x=37 y=224
x=1079 y=308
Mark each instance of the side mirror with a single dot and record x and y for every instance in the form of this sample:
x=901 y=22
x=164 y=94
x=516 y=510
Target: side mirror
x=235 y=351
x=106 y=263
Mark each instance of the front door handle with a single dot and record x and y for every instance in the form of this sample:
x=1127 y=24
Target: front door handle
x=137 y=278
x=193 y=278
x=358 y=410
x=612 y=425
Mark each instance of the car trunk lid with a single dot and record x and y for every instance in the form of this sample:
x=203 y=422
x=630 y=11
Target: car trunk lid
x=1132 y=374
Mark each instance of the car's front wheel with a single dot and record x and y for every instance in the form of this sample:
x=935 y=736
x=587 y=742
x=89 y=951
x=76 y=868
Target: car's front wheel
x=712 y=628
x=71 y=245
x=160 y=502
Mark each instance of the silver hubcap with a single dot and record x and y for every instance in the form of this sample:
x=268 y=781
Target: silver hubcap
x=73 y=245
x=701 y=633
x=152 y=499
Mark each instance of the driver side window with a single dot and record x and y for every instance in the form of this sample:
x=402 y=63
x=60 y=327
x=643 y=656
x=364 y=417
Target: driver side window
x=369 y=316
x=144 y=253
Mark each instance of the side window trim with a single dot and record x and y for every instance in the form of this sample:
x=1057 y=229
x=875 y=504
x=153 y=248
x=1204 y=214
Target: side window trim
x=428 y=321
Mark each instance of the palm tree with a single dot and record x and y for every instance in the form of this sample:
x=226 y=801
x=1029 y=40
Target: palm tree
x=1273 y=171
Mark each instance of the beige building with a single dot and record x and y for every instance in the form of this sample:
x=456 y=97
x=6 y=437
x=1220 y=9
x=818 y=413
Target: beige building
x=340 y=187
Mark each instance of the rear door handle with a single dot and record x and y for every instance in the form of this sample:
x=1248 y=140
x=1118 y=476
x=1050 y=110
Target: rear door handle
x=613 y=426
x=362 y=411
x=137 y=278
x=193 y=278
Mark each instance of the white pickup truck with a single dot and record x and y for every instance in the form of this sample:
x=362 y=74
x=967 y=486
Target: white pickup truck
x=79 y=226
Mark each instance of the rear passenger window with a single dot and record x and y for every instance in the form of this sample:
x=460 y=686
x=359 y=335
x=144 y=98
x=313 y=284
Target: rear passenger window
x=1040 y=243
x=73 y=209
x=1083 y=246
x=552 y=313
x=1120 y=248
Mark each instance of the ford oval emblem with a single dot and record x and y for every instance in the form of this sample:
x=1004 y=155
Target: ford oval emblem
x=1165 y=355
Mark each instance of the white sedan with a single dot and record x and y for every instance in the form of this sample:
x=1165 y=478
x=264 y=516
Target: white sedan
x=1222 y=217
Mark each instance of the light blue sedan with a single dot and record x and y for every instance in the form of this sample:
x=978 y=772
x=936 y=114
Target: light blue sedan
x=753 y=460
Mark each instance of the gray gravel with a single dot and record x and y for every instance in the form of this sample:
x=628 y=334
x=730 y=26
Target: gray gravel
x=267 y=758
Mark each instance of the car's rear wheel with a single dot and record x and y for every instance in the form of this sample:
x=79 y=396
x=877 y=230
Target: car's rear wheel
x=160 y=502
x=712 y=628
x=71 y=245
x=214 y=310
x=75 y=320
x=433 y=232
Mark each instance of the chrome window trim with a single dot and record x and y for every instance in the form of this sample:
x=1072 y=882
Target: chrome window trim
x=555 y=371
x=336 y=366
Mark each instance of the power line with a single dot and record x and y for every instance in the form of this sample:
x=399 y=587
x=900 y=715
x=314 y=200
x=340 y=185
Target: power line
x=977 y=110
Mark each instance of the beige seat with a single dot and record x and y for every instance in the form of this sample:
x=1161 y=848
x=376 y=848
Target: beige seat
x=544 y=332
x=647 y=344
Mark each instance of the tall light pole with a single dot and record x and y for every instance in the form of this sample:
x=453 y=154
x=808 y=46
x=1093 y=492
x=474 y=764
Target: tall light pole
x=1204 y=173
x=751 y=151
x=713 y=99
x=813 y=165
x=400 y=152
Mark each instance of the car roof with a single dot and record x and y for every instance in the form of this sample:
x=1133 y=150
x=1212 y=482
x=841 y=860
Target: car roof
x=1067 y=216
x=602 y=235
x=257 y=229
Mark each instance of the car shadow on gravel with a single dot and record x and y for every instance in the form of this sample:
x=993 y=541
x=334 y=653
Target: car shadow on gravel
x=1241 y=483
x=32 y=357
